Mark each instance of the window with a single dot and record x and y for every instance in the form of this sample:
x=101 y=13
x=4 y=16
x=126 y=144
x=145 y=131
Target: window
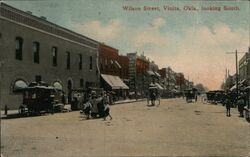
x=90 y=63
x=36 y=52
x=38 y=78
x=80 y=61
x=81 y=83
x=19 y=48
x=54 y=56
x=68 y=60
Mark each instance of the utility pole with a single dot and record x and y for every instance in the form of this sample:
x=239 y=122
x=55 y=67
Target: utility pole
x=237 y=71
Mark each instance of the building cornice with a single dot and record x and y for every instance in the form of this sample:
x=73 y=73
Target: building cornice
x=22 y=15
x=41 y=31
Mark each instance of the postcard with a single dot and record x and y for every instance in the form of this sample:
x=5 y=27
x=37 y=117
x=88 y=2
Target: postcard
x=124 y=78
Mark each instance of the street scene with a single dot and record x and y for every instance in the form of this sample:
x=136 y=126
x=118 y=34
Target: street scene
x=175 y=128
x=124 y=78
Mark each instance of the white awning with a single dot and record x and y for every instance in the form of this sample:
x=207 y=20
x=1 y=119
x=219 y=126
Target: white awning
x=157 y=74
x=114 y=81
x=118 y=65
x=159 y=86
x=248 y=87
x=233 y=88
x=156 y=85
x=150 y=72
x=242 y=81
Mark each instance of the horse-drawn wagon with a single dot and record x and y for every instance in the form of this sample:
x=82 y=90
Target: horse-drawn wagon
x=39 y=98
x=191 y=94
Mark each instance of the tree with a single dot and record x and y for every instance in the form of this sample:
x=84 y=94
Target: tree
x=201 y=88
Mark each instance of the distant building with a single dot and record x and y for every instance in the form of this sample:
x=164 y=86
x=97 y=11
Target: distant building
x=244 y=69
x=34 y=49
x=180 y=81
x=138 y=77
x=230 y=83
x=168 y=79
x=153 y=72
x=124 y=62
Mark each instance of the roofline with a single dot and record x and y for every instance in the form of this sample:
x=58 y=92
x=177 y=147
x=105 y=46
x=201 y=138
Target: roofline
x=103 y=44
x=4 y=5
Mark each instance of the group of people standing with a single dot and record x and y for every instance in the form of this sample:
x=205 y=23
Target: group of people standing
x=97 y=106
x=240 y=101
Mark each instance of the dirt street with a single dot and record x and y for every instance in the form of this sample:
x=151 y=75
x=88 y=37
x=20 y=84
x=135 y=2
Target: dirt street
x=175 y=128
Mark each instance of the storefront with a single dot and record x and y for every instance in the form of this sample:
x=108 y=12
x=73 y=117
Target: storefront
x=114 y=84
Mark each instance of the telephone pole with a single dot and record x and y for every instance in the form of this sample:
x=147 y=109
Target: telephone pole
x=237 y=71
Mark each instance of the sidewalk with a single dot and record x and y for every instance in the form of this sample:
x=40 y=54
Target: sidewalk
x=12 y=113
x=128 y=101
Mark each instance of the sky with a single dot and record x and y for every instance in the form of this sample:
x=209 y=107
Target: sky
x=194 y=42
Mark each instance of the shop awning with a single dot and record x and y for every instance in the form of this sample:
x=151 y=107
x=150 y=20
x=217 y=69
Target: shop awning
x=157 y=74
x=175 y=91
x=156 y=85
x=159 y=86
x=233 y=88
x=151 y=73
x=248 y=87
x=118 y=65
x=242 y=81
x=114 y=81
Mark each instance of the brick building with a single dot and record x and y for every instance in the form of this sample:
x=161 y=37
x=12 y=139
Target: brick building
x=168 y=81
x=34 y=49
x=108 y=60
x=111 y=70
x=180 y=81
x=244 y=69
x=124 y=62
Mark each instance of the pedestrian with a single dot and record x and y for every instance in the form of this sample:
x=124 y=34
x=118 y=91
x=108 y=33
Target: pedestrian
x=87 y=108
x=228 y=106
x=6 y=109
x=153 y=97
x=106 y=104
x=241 y=104
x=93 y=101
x=63 y=98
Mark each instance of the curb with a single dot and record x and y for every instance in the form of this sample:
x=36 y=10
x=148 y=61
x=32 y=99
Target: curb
x=117 y=103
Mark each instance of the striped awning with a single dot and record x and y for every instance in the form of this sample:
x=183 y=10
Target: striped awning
x=115 y=82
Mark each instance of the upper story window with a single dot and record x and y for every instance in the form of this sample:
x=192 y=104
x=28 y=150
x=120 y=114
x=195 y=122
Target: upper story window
x=54 y=56
x=19 y=48
x=68 y=59
x=80 y=61
x=36 y=47
x=90 y=63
